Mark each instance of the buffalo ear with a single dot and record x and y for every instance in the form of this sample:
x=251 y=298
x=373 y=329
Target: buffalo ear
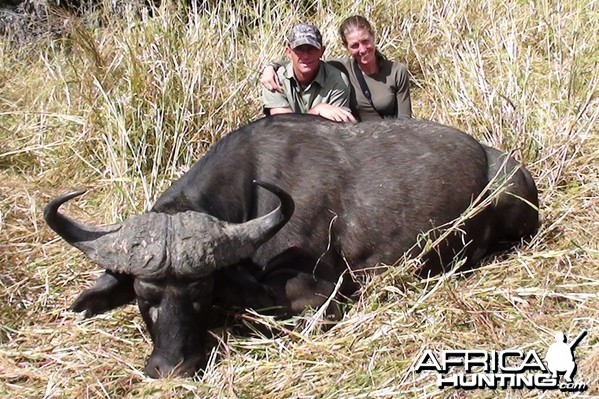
x=110 y=291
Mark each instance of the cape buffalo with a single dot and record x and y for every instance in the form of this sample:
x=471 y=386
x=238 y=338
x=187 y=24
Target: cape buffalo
x=332 y=200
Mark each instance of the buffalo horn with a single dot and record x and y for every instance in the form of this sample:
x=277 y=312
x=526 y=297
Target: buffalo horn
x=138 y=244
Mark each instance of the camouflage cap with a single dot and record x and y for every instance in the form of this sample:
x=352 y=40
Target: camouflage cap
x=305 y=34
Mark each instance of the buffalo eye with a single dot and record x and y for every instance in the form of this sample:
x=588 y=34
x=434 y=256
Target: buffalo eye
x=148 y=309
x=198 y=293
x=197 y=306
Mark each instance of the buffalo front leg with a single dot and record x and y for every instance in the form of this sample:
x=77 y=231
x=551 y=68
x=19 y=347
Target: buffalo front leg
x=299 y=281
x=110 y=291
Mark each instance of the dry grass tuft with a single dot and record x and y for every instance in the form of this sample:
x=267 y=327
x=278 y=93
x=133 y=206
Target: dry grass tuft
x=122 y=103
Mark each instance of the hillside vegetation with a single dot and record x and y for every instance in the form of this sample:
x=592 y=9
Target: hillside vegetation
x=121 y=102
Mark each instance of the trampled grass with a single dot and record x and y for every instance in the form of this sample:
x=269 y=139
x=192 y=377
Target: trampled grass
x=122 y=103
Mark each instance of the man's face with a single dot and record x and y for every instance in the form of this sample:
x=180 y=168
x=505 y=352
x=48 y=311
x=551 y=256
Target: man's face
x=305 y=59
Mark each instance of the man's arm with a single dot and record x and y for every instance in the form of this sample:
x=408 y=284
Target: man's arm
x=332 y=112
x=336 y=106
x=276 y=111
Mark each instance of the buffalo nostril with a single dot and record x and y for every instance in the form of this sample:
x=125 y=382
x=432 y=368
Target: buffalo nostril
x=159 y=367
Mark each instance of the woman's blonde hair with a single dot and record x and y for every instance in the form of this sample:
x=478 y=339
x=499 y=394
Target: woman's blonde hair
x=352 y=23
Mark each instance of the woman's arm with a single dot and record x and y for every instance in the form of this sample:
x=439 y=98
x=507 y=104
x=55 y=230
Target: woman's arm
x=269 y=78
x=404 y=102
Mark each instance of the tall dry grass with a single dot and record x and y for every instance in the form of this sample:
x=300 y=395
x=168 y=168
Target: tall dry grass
x=121 y=103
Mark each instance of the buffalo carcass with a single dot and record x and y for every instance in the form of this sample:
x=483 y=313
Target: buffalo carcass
x=346 y=197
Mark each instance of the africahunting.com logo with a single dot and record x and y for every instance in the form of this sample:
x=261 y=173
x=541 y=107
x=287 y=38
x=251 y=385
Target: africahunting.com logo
x=506 y=369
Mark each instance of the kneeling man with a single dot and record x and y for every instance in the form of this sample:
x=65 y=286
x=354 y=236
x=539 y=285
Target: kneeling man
x=309 y=85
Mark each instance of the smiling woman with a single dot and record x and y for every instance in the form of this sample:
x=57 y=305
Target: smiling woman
x=381 y=87
x=360 y=43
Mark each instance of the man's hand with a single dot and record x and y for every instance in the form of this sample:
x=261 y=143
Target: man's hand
x=270 y=80
x=332 y=112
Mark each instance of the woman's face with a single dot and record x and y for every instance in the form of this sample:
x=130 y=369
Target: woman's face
x=360 y=44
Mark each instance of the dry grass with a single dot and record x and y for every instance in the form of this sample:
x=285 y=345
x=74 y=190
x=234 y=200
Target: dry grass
x=122 y=104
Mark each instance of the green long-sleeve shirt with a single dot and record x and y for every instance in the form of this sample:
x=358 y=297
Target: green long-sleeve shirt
x=389 y=88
